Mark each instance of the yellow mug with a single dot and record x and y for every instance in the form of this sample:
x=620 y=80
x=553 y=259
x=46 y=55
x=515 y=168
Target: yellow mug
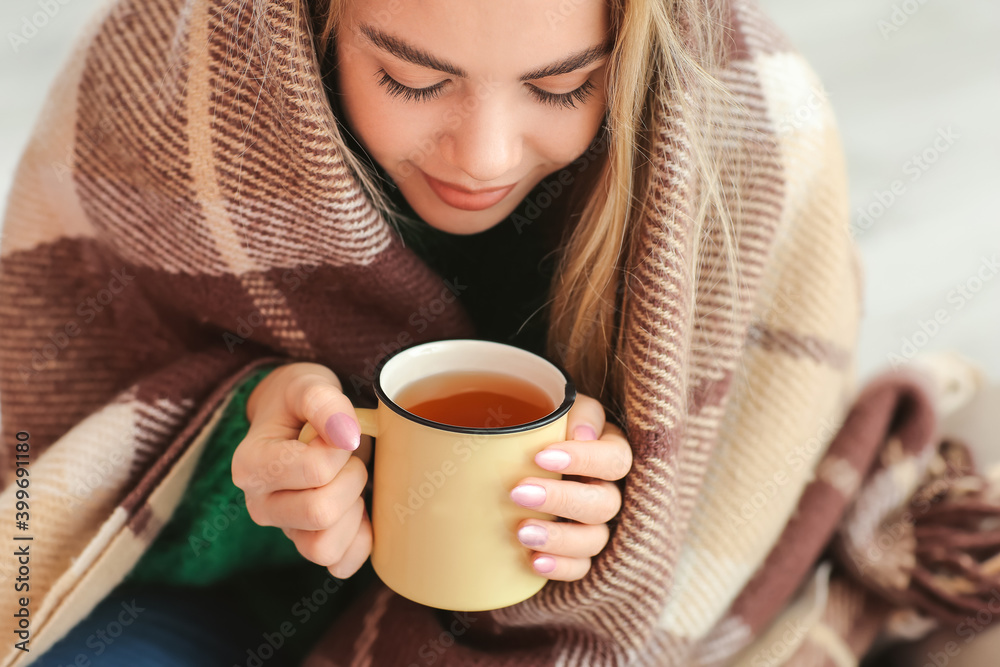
x=444 y=524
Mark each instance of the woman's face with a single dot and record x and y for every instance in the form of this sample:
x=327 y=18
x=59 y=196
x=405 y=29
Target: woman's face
x=457 y=96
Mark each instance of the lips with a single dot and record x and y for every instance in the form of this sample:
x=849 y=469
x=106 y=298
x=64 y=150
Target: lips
x=465 y=200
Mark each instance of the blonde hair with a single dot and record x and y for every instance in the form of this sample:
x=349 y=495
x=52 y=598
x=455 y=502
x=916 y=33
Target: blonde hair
x=663 y=63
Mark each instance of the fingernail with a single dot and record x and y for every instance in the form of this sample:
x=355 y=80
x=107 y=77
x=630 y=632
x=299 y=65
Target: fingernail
x=528 y=495
x=544 y=564
x=533 y=536
x=553 y=459
x=343 y=431
x=584 y=432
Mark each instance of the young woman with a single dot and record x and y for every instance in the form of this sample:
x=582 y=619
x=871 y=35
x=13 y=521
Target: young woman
x=563 y=176
x=465 y=108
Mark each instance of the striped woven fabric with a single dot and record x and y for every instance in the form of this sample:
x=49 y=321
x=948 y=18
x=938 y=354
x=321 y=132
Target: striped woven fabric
x=184 y=213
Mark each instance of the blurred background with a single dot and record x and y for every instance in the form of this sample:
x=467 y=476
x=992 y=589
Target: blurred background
x=916 y=88
x=915 y=85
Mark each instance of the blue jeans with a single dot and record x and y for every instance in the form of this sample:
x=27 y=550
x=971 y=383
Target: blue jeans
x=157 y=626
x=145 y=625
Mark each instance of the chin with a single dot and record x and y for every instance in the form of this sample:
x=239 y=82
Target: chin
x=464 y=224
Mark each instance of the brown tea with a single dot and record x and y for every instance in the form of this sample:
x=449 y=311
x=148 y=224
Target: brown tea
x=475 y=399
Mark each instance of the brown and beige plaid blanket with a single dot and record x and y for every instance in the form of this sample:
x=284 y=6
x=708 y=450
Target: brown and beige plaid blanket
x=183 y=213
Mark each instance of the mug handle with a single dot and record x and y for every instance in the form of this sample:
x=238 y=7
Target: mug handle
x=366 y=418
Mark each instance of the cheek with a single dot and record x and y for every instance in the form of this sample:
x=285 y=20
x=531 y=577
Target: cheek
x=383 y=126
x=561 y=141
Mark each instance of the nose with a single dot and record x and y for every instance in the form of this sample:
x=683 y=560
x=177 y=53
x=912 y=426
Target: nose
x=486 y=144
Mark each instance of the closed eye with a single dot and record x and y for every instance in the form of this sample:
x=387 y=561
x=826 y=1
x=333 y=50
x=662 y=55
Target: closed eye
x=564 y=100
x=396 y=89
x=559 y=100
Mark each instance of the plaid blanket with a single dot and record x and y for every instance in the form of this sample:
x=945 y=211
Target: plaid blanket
x=183 y=214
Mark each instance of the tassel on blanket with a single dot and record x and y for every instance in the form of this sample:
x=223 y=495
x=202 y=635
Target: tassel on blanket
x=939 y=553
x=957 y=570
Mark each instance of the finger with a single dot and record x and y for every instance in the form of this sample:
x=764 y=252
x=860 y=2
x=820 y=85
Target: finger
x=357 y=553
x=560 y=568
x=327 y=547
x=309 y=396
x=312 y=397
x=265 y=467
x=312 y=509
x=592 y=501
x=573 y=540
x=586 y=419
x=609 y=458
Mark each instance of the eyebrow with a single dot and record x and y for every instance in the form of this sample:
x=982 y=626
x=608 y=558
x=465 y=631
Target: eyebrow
x=572 y=63
x=411 y=54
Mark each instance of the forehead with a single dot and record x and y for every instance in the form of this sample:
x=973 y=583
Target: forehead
x=496 y=37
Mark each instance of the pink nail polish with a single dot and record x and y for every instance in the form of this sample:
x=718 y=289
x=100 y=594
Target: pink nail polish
x=533 y=536
x=584 y=432
x=553 y=459
x=528 y=495
x=544 y=564
x=343 y=431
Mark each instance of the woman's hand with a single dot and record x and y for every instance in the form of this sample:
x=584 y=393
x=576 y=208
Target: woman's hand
x=312 y=492
x=589 y=498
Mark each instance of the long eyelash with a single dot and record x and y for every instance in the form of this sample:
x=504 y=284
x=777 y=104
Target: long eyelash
x=564 y=100
x=396 y=89
x=559 y=100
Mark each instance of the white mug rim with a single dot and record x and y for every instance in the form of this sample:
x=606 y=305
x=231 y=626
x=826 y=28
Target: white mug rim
x=569 y=396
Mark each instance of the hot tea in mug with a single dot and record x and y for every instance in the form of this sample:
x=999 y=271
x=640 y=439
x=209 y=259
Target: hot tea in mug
x=479 y=399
